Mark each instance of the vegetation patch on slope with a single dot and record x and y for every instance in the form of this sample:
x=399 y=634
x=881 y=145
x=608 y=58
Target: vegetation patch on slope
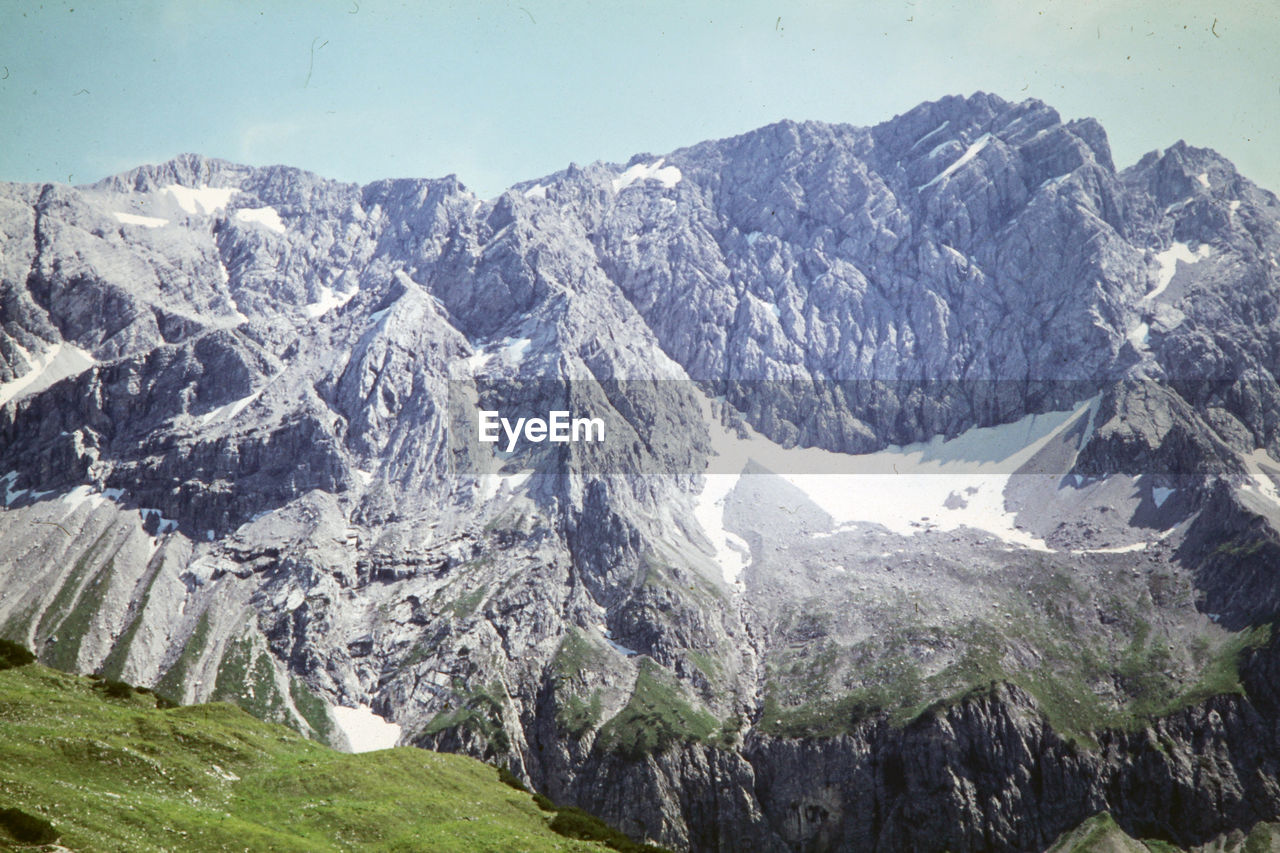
x=101 y=767
x=656 y=718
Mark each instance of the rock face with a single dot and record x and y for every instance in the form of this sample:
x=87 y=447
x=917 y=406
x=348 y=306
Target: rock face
x=238 y=420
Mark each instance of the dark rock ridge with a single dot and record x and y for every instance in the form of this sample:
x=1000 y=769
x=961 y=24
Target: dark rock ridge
x=236 y=461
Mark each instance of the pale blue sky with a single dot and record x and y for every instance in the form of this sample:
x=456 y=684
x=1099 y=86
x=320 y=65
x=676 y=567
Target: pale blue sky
x=498 y=92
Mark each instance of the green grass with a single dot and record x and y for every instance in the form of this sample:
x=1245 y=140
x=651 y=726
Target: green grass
x=467 y=604
x=121 y=774
x=173 y=683
x=1101 y=834
x=480 y=711
x=577 y=716
x=576 y=655
x=312 y=708
x=69 y=614
x=1063 y=682
x=656 y=718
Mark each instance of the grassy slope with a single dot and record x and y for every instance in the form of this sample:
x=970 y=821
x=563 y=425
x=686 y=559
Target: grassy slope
x=1100 y=834
x=120 y=774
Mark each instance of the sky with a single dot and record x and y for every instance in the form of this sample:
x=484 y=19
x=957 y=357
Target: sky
x=499 y=92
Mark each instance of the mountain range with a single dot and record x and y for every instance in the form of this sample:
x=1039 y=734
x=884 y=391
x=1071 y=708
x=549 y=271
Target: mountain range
x=938 y=508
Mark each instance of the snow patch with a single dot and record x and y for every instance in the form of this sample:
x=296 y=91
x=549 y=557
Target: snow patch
x=1159 y=494
x=491 y=485
x=617 y=647
x=59 y=362
x=971 y=152
x=10 y=493
x=268 y=217
x=1260 y=481
x=81 y=494
x=328 y=301
x=205 y=199
x=731 y=553
x=1234 y=205
x=668 y=176
x=230 y=410
x=536 y=191
x=1116 y=549
x=1168 y=261
x=1203 y=178
x=904 y=489
x=1140 y=336
x=931 y=134
x=365 y=730
x=135 y=219
x=1055 y=181
x=752 y=237
x=515 y=349
x=1089 y=427
x=166 y=525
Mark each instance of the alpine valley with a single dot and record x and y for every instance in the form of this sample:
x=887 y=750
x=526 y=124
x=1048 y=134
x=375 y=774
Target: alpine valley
x=940 y=511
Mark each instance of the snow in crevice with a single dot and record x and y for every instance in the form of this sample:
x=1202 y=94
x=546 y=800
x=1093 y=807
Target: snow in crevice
x=1168 y=261
x=668 y=176
x=939 y=148
x=59 y=362
x=267 y=217
x=365 y=730
x=1115 y=549
x=10 y=493
x=616 y=646
x=203 y=200
x=328 y=301
x=492 y=485
x=1140 y=337
x=135 y=219
x=515 y=349
x=732 y=554
x=1055 y=181
x=1089 y=427
x=931 y=134
x=235 y=310
x=1203 y=178
x=971 y=152
x=229 y=410
x=477 y=360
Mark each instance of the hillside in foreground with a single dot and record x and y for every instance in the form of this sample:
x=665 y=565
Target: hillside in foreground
x=109 y=770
